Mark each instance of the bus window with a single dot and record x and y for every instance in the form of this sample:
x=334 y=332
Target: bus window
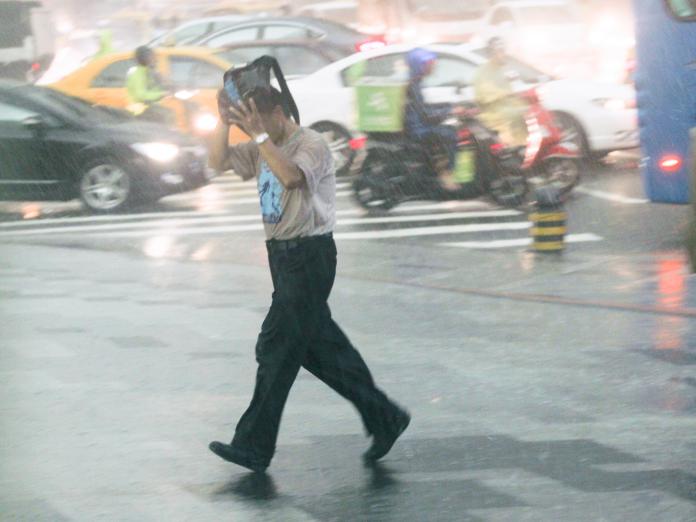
x=683 y=9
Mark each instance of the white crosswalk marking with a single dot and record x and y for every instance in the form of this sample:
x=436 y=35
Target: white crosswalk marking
x=135 y=217
x=239 y=182
x=178 y=227
x=487 y=226
x=233 y=197
x=432 y=231
x=525 y=241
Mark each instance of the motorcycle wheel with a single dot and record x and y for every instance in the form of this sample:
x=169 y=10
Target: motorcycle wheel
x=371 y=189
x=509 y=190
x=561 y=173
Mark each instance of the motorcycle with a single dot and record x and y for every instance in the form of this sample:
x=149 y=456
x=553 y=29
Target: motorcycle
x=397 y=169
x=546 y=159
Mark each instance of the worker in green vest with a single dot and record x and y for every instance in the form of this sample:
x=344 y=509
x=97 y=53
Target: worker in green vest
x=105 y=43
x=145 y=88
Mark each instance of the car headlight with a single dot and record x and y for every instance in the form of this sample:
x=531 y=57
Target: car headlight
x=205 y=122
x=157 y=151
x=612 y=104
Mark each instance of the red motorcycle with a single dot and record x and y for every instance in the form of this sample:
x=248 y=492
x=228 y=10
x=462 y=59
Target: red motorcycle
x=546 y=159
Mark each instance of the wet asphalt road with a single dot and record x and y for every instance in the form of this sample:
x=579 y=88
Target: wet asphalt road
x=541 y=387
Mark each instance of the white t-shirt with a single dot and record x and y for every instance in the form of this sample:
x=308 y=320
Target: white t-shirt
x=287 y=214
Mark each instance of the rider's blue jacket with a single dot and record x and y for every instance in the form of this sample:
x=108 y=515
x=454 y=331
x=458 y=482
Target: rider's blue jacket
x=420 y=117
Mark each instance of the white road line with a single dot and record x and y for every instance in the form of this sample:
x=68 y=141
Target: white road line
x=32 y=223
x=508 y=243
x=117 y=218
x=610 y=196
x=226 y=198
x=180 y=226
x=432 y=231
x=239 y=182
x=216 y=192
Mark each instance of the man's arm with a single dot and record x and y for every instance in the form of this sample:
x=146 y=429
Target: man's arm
x=217 y=153
x=428 y=114
x=287 y=172
x=284 y=168
x=240 y=158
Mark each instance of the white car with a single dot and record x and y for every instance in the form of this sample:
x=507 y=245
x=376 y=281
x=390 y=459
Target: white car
x=560 y=37
x=547 y=33
x=597 y=117
x=190 y=32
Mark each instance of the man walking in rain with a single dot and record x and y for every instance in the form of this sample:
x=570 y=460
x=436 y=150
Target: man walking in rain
x=297 y=186
x=501 y=109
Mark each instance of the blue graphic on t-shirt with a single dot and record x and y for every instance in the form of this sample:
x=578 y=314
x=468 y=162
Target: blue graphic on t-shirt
x=270 y=195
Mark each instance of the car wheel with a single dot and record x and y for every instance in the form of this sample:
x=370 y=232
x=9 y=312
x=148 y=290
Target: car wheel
x=105 y=187
x=338 y=139
x=572 y=132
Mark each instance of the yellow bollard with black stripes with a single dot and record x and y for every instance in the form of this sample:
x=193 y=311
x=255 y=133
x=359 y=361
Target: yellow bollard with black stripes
x=691 y=234
x=548 y=221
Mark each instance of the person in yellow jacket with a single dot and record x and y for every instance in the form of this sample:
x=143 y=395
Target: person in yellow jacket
x=145 y=89
x=501 y=109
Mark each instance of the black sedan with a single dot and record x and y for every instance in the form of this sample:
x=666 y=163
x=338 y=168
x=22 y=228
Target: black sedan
x=56 y=148
x=337 y=40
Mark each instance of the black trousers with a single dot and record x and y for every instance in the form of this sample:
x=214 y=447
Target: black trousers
x=300 y=332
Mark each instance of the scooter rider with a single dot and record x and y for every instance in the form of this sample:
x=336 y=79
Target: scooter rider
x=423 y=121
x=501 y=109
x=145 y=88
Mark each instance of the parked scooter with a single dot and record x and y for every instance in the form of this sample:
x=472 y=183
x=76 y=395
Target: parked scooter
x=397 y=169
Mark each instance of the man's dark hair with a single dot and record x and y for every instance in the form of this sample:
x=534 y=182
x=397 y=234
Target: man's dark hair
x=268 y=99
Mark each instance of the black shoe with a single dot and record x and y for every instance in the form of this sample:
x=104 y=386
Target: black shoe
x=237 y=456
x=383 y=442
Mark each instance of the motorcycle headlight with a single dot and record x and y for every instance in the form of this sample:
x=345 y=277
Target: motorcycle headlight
x=185 y=94
x=205 y=122
x=157 y=151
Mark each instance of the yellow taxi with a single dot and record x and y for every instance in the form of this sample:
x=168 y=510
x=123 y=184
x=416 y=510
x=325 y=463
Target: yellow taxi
x=195 y=72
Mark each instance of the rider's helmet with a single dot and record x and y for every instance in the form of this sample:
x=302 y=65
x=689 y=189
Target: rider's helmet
x=143 y=55
x=418 y=60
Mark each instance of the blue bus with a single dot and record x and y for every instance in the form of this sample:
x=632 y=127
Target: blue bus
x=665 y=79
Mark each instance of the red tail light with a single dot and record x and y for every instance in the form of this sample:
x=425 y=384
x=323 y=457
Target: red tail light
x=531 y=96
x=358 y=143
x=464 y=134
x=670 y=163
x=497 y=148
x=35 y=66
x=371 y=44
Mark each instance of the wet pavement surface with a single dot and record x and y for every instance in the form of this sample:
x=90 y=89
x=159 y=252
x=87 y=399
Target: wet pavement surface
x=542 y=388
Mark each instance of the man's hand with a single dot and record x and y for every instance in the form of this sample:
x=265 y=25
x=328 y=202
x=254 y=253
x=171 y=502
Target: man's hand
x=223 y=103
x=246 y=116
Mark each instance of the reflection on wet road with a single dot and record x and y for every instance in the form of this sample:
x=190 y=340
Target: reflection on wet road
x=542 y=388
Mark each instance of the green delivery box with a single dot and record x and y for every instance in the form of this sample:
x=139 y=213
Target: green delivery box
x=380 y=107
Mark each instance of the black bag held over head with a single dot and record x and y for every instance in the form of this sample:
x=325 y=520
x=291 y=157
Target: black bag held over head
x=242 y=81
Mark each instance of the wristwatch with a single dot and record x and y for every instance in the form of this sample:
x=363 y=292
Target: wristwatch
x=261 y=138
